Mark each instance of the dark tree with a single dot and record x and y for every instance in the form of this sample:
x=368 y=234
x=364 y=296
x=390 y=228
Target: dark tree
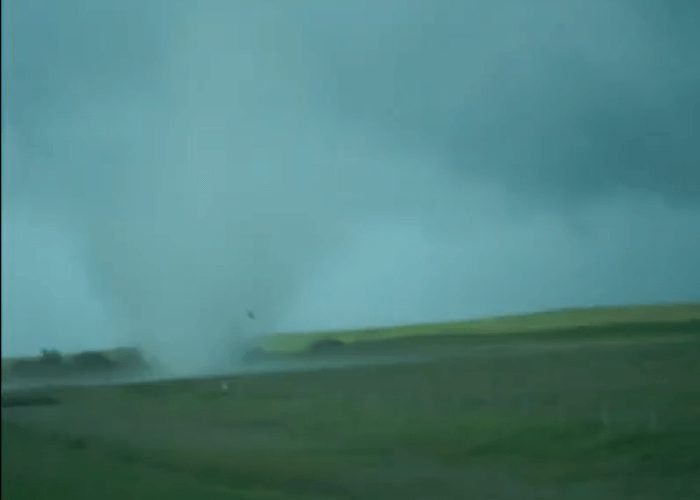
x=326 y=345
x=50 y=357
x=92 y=360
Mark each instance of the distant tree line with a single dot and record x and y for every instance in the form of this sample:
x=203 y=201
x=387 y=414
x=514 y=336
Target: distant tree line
x=51 y=363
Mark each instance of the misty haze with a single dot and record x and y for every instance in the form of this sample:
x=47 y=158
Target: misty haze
x=200 y=183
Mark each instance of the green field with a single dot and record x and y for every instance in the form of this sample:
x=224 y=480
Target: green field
x=535 y=322
x=578 y=404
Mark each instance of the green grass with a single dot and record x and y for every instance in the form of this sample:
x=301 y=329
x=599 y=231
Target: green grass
x=584 y=410
x=37 y=466
x=524 y=323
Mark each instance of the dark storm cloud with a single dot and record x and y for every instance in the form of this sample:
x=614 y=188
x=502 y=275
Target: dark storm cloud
x=561 y=99
x=169 y=165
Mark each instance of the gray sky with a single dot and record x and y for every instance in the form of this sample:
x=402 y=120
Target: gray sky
x=168 y=165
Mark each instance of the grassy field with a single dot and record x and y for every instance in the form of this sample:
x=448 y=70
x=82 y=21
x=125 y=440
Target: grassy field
x=600 y=404
x=522 y=323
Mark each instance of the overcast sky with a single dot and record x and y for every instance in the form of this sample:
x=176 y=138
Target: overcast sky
x=168 y=165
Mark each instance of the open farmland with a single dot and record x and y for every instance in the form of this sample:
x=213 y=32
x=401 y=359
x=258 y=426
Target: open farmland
x=601 y=403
